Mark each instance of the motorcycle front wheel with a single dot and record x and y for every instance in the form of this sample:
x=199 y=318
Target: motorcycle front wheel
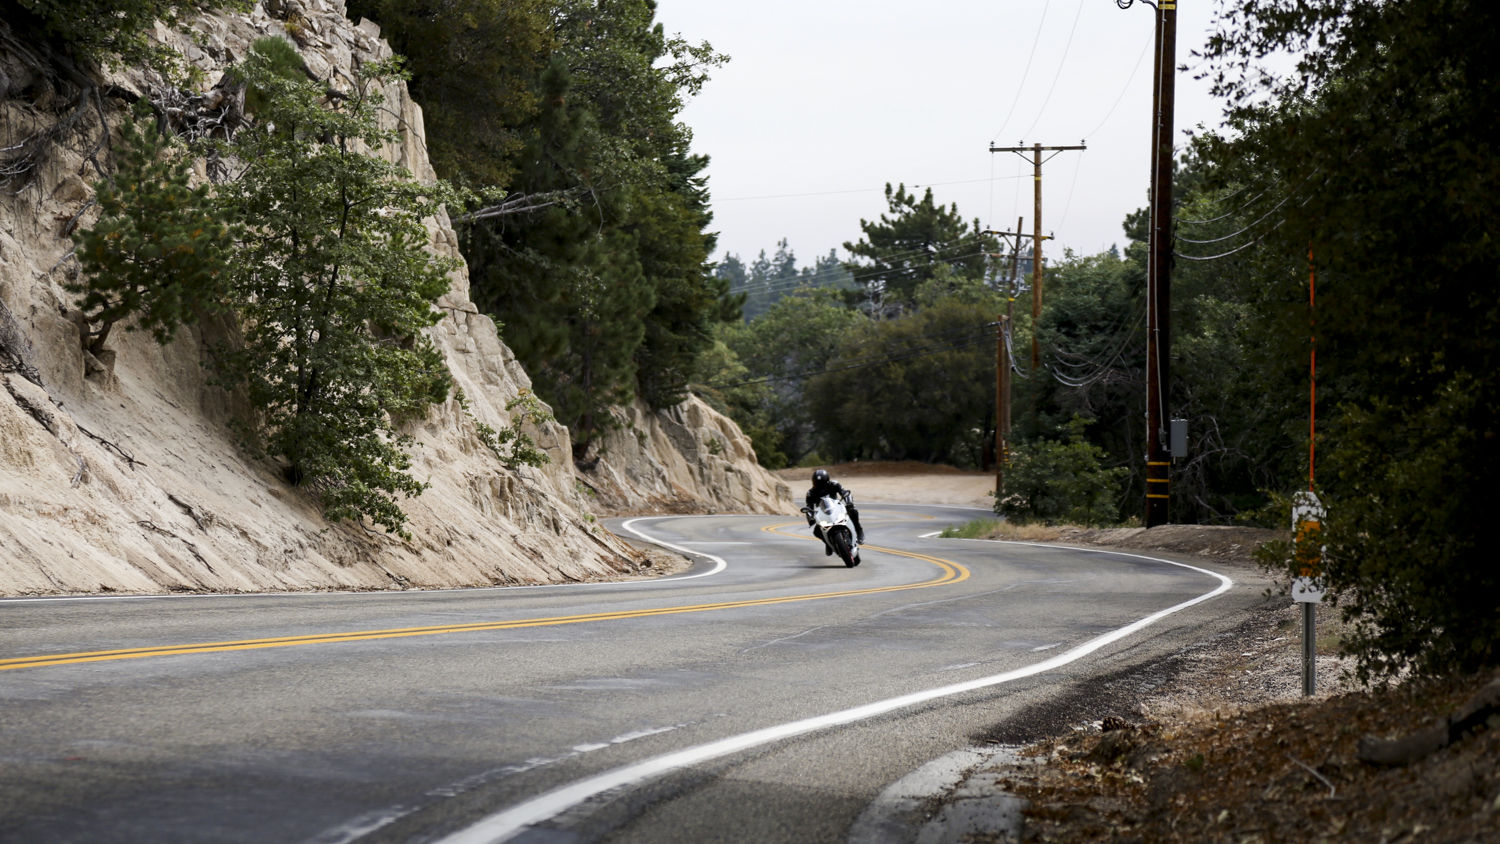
x=841 y=546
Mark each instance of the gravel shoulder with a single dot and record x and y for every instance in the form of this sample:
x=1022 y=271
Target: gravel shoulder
x=1216 y=743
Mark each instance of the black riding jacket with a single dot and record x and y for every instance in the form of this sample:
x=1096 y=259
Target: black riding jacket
x=833 y=488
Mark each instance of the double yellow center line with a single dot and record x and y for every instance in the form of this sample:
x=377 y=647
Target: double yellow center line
x=950 y=573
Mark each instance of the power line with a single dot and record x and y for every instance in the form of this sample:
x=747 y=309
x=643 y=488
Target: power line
x=1063 y=61
x=984 y=338
x=1226 y=216
x=968 y=331
x=862 y=190
x=915 y=250
x=1067 y=206
x=1230 y=252
x=1248 y=227
x=1123 y=90
x=982 y=332
x=793 y=282
x=785 y=285
x=1021 y=87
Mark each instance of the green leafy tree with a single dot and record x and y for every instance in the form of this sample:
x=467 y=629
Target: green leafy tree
x=605 y=289
x=794 y=339
x=512 y=444
x=161 y=249
x=334 y=285
x=1061 y=480
x=473 y=64
x=728 y=386
x=1383 y=143
x=669 y=228
x=918 y=387
x=907 y=245
x=572 y=297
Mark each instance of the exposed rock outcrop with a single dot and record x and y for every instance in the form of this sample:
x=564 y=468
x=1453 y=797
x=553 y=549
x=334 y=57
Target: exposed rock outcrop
x=118 y=471
x=686 y=459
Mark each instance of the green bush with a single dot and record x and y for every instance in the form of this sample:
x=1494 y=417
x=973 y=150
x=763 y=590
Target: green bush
x=512 y=444
x=1061 y=480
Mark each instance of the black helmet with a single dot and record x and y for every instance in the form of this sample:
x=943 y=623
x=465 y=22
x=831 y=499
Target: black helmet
x=820 y=477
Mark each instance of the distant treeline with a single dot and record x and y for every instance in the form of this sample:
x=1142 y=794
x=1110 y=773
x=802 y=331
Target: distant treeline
x=1371 y=170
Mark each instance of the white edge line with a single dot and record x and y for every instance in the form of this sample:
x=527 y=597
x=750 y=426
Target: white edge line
x=389 y=592
x=874 y=504
x=508 y=823
x=719 y=564
x=929 y=535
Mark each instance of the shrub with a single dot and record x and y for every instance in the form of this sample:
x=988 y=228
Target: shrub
x=1061 y=480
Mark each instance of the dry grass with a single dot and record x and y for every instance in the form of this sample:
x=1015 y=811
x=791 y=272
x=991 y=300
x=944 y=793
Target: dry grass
x=997 y=529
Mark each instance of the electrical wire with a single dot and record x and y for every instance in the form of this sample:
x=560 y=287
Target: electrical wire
x=891 y=359
x=1247 y=204
x=1060 y=64
x=787 y=284
x=1102 y=367
x=1010 y=354
x=793 y=283
x=1121 y=98
x=1230 y=252
x=923 y=249
x=1248 y=227
x=1022 y=87
x=861 y=190
x=1068 y=206
x=968 y=331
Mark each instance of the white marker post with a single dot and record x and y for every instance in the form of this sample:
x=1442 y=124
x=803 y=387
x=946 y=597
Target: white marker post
x=1307 y=589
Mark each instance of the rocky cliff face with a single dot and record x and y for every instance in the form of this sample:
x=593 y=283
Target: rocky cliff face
x=118 y=472
x=687 y=459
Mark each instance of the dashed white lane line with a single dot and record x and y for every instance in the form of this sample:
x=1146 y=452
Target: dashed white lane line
x=508 y=823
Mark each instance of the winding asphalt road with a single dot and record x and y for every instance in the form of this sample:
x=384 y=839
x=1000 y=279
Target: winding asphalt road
x=766 y=695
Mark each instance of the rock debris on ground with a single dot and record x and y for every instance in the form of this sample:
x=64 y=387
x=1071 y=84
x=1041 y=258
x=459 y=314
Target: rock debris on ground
x=1215 y=744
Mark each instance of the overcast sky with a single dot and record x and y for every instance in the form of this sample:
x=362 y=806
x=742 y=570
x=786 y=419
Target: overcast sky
x=837 y=97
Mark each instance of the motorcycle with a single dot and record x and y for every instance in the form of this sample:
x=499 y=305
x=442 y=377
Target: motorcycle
x=837 y=532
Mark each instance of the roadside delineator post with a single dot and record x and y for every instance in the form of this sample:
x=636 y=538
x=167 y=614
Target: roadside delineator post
x=1307 y=587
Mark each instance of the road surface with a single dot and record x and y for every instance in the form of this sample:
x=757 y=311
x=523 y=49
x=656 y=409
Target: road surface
x=767 y=694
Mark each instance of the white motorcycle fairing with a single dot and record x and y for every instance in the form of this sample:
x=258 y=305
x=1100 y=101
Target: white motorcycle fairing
x=832 y=519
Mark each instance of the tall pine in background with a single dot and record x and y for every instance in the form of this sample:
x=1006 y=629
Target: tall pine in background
x=599 y=270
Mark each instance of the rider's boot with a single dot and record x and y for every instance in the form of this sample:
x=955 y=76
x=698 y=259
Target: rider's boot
x=860 y=534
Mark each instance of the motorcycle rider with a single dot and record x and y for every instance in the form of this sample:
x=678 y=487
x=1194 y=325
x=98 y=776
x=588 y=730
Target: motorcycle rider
x=823 y=485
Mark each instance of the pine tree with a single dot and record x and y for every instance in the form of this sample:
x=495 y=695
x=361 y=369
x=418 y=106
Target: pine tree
x=903 y=249
x=161 y=248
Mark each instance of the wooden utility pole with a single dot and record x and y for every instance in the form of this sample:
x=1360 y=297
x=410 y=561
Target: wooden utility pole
x=1002 y=357
x=1037 y=161
x=1002 y=405
x=1159 y=271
